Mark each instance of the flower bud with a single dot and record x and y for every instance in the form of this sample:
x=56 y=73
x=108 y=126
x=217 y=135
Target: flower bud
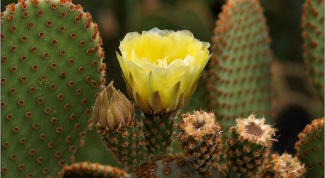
x=112 y=110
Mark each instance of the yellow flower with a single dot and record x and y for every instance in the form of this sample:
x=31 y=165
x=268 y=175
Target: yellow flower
x=161 y=68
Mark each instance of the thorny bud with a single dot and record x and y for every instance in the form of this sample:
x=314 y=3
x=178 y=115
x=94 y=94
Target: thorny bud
x=112 y=110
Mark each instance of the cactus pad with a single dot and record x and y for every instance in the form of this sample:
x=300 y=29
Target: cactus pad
x=240 y=65
x=51 y=67
x=310 y=148
x=313 y=33
x=201 y=139
x=249 y=144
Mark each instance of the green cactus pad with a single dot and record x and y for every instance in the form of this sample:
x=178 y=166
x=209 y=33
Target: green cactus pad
x=313 y=33
x=87 y=169
x=51 y=72
x=240 y=66
x=310 y=148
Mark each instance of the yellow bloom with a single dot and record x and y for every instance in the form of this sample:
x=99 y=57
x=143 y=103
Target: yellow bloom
x=161 y=68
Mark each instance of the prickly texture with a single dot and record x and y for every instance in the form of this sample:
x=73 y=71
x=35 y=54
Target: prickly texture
x=283 y=166
x=249 y=144
x=51 y=67
x=126 y=144
x=171 y=166
x=313 y=34
x=87 y=169
x=158 y=131
x=310 y=148
x=200 y=136
x=240 y=65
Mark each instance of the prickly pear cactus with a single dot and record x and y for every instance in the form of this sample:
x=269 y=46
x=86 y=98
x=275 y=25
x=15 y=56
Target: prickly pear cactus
x=248 y=146
x=313 y=33
x=240 y=66
x=51 y=72
x=310 y=148
x=200 y=136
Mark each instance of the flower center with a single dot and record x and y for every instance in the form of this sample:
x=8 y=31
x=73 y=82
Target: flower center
x=162 y=63
x=198 y=124
x=253 y=129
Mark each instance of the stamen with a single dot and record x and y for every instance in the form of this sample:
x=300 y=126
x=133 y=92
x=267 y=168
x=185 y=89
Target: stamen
x=162 y=63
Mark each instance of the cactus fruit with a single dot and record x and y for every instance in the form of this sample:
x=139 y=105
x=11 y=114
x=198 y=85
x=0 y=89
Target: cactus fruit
x=249 y=144
x=283 y=166
x=310 y=148
x=114 y=117
x=201 y=139
x=313 y=33
x=51 y=67
x=87 y=169
x=240 y=67
x=169 y=167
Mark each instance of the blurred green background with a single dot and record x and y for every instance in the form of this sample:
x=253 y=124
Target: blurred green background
x=115 y=18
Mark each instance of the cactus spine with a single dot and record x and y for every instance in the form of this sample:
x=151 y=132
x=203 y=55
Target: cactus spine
x=51 y=67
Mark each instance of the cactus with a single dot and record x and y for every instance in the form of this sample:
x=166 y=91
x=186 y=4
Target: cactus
x=121 y=133
x=201 y=140
x=87 y=169
x=239 y=69
x=313 y=33
x=51 y=67
x=310 y=148
x=249 y=144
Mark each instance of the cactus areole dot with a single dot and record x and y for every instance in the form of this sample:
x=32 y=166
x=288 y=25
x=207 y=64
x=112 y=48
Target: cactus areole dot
x=161 y=68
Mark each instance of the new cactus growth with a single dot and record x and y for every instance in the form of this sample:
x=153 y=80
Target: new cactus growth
x=51 y=72
x=310 y=148
x=249 y=144
x=121 y=133
x=239 y=80
x=201 y=139
x=313 y=33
